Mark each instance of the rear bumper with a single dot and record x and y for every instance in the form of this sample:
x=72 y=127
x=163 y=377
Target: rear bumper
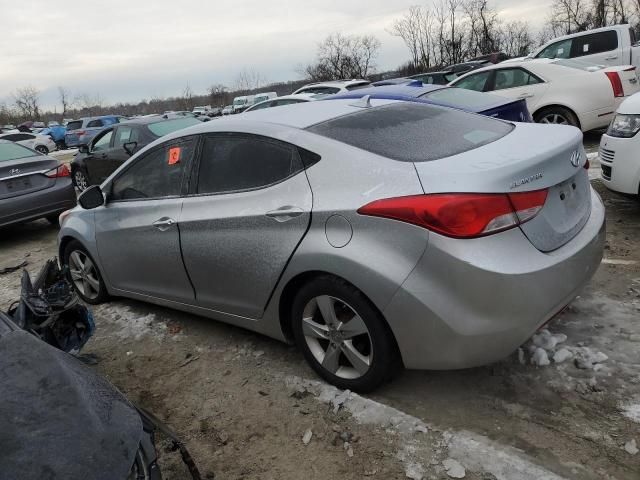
x=472 y=302
x=620 y=163
x=40 y=204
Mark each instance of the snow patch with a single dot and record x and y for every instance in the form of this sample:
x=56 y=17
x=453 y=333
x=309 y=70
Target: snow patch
x=632 y=412
x=128 y=325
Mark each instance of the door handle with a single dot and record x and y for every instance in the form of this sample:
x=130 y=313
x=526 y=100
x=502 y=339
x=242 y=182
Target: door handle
x=284 y=214
x=164 y=223
x=526 y=95
x=611 y=58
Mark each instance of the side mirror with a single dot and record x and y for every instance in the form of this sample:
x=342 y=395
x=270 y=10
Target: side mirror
x=91 y=198
x=83 y=149
x=130 y=147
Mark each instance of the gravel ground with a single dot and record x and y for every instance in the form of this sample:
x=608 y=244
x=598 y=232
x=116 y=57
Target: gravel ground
x=249 y=408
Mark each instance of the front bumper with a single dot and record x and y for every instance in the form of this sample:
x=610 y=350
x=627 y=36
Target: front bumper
x=620 y=163
x=472 y=302
x=43 y=203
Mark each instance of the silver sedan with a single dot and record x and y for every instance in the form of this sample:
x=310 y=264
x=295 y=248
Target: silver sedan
x=372 y=233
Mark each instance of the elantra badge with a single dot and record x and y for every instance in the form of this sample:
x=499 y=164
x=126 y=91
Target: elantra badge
x=14 y=171
x=575 y=158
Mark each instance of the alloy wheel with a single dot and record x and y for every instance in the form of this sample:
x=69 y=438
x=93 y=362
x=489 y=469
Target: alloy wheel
x=81 y=180
x=337 y=337
x=555 y=118
x=42 y=149
x=84 y=274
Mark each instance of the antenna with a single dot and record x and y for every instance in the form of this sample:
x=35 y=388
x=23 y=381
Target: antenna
x=364 y=102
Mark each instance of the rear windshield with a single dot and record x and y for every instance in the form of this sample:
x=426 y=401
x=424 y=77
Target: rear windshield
x=461 y=97
x=413 y=132
x=13 y=151
x=75 y=125
x=167 y=126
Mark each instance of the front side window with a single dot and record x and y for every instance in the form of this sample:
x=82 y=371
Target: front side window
x=260 y=106
x=103 y=142
x=125 y=134
x=233 y=163
x=561 y=49
x=477 y=81
x=75 y=125
x=156 y=174
x=513 y=77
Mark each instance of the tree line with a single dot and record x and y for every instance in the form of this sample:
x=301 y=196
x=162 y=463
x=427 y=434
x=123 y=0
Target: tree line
x=444 y=33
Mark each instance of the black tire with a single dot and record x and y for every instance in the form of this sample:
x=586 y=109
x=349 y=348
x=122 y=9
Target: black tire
x=79 y=176
x=561 y=115
x=101 y=293
x=54 y=219
x=42 y=149
x=384 y=356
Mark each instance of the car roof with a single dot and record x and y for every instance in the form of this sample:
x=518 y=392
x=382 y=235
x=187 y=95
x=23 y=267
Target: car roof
x=336 y=83
x=144 y=120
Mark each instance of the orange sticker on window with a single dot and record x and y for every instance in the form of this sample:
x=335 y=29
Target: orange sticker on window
x=174 y=155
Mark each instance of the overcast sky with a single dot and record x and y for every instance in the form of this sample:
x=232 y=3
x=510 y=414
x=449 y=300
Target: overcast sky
x=127 y=50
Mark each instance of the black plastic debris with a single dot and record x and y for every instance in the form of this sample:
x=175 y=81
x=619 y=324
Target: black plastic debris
x=49 y=308
x=13 y=268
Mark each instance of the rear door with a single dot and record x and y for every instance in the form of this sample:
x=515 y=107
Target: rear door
x=137 y=231
x=250 y=207
x=519 y=83
x=602 y=48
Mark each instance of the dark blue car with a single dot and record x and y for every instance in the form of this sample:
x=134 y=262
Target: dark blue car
x=467 y=100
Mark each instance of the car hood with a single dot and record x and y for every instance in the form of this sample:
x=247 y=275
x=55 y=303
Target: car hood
x=60 y=419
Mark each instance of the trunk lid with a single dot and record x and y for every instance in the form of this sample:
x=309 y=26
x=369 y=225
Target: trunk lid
x=25 y=175
x=520 y=162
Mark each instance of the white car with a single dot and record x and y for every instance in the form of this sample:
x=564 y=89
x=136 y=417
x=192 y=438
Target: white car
x=568 y=92
x=41 y=143
x=286 y=100
x=620 y=147
x=338 y=86
x=228 y=110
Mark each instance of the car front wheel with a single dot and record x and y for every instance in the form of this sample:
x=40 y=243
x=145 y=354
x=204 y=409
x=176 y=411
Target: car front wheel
x=42 y=149
x=342 y=335
x=84 y=274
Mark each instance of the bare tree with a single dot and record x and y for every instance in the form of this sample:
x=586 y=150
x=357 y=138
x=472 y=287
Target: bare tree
x=65 y=99
x=27 y=101
x=516 y=39
x=341 y=56
x=218 y=94
x=249 y=80
x=187 y=98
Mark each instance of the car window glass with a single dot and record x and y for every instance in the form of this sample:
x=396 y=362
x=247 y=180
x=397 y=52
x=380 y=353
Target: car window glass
x=477 y=81
x=328 y=90
x=103 y=142
x=14 y=151
x=168 y=126
x=357 y=86
x=13 y=137
x=413 y=132
x=594 y=43
x=94 y=123
x=156 y=174
x=125 y=134
x=513 y=77
x=260 y=106
x=242 y=162
x=561 y=49
x=460 y=97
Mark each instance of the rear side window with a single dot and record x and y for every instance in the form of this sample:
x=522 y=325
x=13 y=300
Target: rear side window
x=561 y=49
x=594 y=43
x=75 y=125
x=477 y=81
x=513 y=77
x=156 y=174
x=413 y=132
x=94 y=123
x=233 y=163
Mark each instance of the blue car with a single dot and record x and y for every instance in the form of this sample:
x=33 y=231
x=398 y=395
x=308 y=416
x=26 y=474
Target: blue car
x=57 y=134
x=467 y=100
x=81 y=132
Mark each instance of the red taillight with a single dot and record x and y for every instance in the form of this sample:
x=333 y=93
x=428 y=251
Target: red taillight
x=79 y=132
x=616 y=83
x=461 y=215
x=61 y=171
x=586 y=164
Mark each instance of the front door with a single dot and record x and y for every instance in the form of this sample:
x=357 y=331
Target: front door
x=249 y=209
x=519 y=83
x=99 y=162
x=137 y=230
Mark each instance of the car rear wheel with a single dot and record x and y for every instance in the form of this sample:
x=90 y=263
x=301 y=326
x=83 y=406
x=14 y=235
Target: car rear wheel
x=84 y=274
x=342 y=335
x=557 y=116
x=80 y=180
x=42 y=149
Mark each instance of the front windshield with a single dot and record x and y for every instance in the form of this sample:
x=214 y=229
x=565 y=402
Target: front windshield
x=167 y=126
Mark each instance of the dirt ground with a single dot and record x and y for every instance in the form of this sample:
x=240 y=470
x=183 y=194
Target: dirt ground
x=243 y=403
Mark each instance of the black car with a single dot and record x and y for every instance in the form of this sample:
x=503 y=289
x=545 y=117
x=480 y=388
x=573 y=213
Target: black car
x=435 y=78
x=462 y=68
x=114 y=145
